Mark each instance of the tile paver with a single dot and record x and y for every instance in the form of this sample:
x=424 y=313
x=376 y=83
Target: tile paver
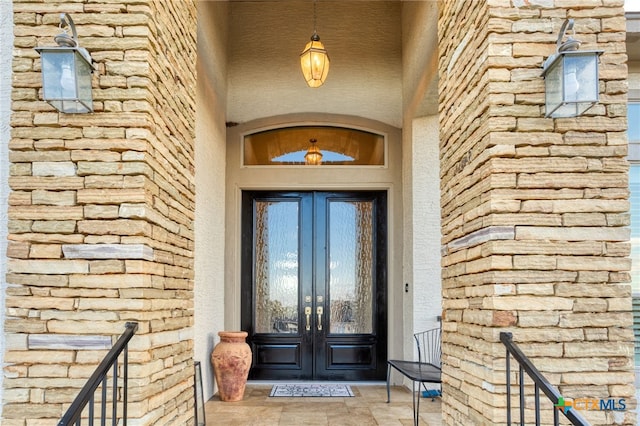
x=367 y=407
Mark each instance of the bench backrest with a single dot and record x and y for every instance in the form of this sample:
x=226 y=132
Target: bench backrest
x=429 y=350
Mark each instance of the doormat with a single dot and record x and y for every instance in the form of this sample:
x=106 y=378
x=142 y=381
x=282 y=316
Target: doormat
x=295 y=390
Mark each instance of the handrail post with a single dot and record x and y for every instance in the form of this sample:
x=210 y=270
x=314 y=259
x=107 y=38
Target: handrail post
x=99 y=376
x=539 y=380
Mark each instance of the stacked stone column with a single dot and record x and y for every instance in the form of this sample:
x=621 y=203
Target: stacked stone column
x=535 y=211
x=101 y=212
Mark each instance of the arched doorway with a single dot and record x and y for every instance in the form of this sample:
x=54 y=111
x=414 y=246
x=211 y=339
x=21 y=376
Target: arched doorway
x=322 y=211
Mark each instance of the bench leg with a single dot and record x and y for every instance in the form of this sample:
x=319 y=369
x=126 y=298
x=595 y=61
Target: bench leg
x=419 y=394
x=415 y=411
x=388 y=378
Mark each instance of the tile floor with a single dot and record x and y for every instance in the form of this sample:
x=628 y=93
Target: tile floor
x=368 y=407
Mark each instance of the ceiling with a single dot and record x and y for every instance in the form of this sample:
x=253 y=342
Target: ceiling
x=364 y=40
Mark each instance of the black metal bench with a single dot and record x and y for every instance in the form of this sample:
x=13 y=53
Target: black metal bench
x=426 y=370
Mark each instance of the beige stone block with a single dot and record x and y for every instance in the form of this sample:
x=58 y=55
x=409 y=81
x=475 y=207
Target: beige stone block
x=19 y=226
x=19 y=198
x=584 y=219
x=86 y=327
x=115 y=227
x=43 y=413
x=110 y=281
x=584 y=233
x=39 y=357
x=113 y=196
x=133 y=119
x=538 y=319
x=536 y=289
x=95 y=155
x=61 y=168
x=53 y=267
x=40 y=303
x=619 y=304
x=104 y=182
x=43 y=182
x=598 y=350
x=592 y=290
x=618 y=249
x=18 y=249
x=45 y=251
x=102 y=239
x=618 y=219
x=534 y=262
x=53 y=198
x=590 y=305
x=528 y=303
x=570 y=180
x=46 y=132
x=16 y=342
x=111 y=141
x=594 y=124
x=49 y=145
x=143 y=267
x=20 y=169
x=48 y=370
x=100 y=212
x=589 y=263
x=115 y=305
x=106 y=266
x=45 y=118
x=47 y=315
x=45 y=280
x=45 y=212
x=609 y=319
x=596 y=378
x=16 y=395
x=54 y=226
x=538 y=219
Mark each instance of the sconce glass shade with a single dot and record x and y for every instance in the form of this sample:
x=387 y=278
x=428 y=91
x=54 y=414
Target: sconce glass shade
x=314 y=62
x=66 y=79
x=571 y=83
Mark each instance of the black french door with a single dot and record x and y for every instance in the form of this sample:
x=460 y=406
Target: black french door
x=314 y=284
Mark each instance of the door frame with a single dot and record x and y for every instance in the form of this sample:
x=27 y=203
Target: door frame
x=261 y=178
x=317 y=354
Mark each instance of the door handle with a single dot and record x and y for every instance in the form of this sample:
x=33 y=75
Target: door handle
x=307 y=312
x=319 y=311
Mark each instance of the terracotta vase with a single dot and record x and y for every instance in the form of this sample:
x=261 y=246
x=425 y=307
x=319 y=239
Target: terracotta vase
x=231 y=359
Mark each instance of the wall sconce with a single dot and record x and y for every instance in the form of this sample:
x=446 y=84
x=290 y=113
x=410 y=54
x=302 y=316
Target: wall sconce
x=66 y=72
x=571 y=77
x=314 y=59
x=313 y=157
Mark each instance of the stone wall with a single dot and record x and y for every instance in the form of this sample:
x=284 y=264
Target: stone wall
x=534 y=210
x=6 y=46
x=101 y=212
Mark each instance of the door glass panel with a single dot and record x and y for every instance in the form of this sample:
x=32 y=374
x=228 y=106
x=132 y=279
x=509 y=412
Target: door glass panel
x=350 y=266
x=276 y=267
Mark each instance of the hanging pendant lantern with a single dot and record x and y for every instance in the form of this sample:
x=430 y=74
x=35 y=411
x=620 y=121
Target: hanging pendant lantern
x=314 y=59
x=313 y=157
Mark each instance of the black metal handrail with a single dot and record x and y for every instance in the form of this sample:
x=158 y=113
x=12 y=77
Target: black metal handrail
x=99 y=376
x=540 y=382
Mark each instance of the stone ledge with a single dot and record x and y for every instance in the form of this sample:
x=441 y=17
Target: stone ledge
x=65 y=341
x=480 y=236
x=107 y=251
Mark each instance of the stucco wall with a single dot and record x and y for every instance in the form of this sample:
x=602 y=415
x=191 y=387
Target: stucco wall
x=427 y=287
x=210 y=184
x=6 y=44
